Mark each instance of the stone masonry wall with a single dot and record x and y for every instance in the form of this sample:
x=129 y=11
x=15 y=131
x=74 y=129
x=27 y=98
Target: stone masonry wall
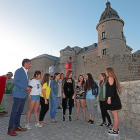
x=130 y=98
x=41 y=64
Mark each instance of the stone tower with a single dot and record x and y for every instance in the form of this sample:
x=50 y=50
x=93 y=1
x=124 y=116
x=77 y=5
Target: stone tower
x=67 y=55
x=111 y=39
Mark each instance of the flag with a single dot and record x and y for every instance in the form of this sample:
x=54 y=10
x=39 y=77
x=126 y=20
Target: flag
x=68 y=65
x=51 y=69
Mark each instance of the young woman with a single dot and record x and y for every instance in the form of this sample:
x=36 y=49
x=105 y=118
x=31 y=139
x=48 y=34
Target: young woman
x=90 y=88
x=101 y=100
x=44 y=97
x=68 y=90
x=55 y=96
x=113 y=102
x=79 y=97
x=34 y=99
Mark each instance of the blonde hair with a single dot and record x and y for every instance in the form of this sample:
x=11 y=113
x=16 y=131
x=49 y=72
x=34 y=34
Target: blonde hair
x=112 y=73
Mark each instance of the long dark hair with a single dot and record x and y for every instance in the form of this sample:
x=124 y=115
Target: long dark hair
x=45 y=79
x=36 y=73
x=55 y=75
x=105 y=79
x=89 y=82
x=83 y=82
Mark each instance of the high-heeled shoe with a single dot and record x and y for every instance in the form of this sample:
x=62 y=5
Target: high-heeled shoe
x=70 y=119
x=63 y=118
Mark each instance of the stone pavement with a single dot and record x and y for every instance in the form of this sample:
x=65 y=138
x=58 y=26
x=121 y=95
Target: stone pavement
x=74 y=130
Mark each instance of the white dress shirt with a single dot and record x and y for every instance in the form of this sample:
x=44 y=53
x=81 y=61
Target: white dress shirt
x=26 y=70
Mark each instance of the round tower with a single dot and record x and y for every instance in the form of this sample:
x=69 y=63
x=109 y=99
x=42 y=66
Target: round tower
x=111 y=39
x=66 y=55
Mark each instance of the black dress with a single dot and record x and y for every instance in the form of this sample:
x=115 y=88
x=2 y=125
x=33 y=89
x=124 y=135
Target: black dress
x=111 y=91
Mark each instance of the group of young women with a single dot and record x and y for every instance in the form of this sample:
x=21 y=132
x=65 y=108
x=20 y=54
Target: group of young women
x=84 y=93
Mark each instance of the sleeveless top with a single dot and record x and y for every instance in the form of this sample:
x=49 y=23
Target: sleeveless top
x=78 y=89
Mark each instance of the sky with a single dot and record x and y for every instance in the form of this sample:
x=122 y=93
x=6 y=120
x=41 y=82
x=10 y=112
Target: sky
x=29 y=28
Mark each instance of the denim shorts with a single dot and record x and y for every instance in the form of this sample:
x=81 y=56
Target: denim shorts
x=35 y=97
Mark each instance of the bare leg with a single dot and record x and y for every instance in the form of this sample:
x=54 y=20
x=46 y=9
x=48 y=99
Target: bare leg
x=31 y=107
x=83 y=109
x=115 y=119
x=60 y=102
x=77 y=109
x=92 y=118
x=36 y=110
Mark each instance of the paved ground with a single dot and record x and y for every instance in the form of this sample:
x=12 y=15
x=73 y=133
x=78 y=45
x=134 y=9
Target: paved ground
x=75 y=130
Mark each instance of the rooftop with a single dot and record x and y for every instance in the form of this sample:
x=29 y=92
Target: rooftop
x=48 y=56
x=88 y=48
x=109 y=13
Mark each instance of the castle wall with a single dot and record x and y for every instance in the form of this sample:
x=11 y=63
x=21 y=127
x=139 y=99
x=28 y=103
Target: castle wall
x=41 y=64
x=90 y=64
x=130 y=99
x=127 y=68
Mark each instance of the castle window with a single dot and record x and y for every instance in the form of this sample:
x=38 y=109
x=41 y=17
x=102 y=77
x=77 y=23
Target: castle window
x=122 y=35
x=69 y=50
x=103 y=35
x=104 y=52
x=83 y=57
x=70 y=58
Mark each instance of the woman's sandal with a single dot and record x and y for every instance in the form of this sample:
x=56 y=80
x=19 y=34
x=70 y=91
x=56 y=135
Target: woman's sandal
x=53 y=121
x=43 y=123
x=76 y=119
x=85 y=120
x=56 y=121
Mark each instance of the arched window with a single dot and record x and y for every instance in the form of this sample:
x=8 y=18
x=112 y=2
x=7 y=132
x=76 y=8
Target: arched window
x=103 y=35
x=104 y=52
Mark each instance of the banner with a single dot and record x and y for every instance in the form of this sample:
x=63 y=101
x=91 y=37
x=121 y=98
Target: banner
x=68 y=65
x=51 y=69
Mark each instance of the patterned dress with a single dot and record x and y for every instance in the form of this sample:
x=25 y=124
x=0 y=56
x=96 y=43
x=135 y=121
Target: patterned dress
x=78 y=94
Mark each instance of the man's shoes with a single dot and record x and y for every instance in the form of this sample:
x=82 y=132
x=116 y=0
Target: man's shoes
x=12 y=132
x=20 y=129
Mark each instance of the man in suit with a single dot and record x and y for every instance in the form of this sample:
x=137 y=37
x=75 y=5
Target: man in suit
x=19 y=94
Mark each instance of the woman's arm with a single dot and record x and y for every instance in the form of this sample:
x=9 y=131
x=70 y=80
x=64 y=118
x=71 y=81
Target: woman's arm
x=52 y=90
x=63 y=82
x=74 y=89
x=111 y=90
x=44 y=95
x=111 y=87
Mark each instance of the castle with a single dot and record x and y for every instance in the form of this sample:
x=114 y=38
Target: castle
x=110 y=51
